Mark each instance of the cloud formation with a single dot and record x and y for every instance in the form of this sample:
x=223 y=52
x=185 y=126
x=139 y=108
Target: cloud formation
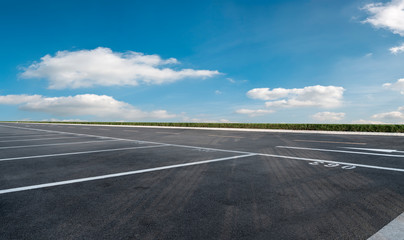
x=103 y=67
x=101 y=106
x=311 y=96
x=392 y=117
x=388 y=15
x=397 y=86
x=397 y=50
x=328 y=116
x=253 y=112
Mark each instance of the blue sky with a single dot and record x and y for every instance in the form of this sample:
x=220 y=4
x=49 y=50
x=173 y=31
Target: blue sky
x=203 y=61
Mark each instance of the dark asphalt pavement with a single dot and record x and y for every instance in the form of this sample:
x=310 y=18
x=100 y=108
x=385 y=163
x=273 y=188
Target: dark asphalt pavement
x=155 y=183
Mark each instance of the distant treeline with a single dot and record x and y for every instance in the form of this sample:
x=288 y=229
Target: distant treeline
x=392 y=128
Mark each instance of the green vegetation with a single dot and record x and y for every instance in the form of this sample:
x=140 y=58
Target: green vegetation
x=396 y=128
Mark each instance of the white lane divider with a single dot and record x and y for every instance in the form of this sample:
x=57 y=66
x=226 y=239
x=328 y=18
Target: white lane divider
x=19 y=189
x=376 y=150
x=77 y=153
x=341 y=151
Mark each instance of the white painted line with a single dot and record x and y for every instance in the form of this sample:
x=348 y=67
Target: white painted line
x=392 y=231
x=340 y=151
x=356 y=143
x=376 y=150
x=36 y=139
x=19 y=189
x=30 y=135
x=55 y=144
x=333 y=162
x=224 y=150
x=130 y=131
x=77 y=153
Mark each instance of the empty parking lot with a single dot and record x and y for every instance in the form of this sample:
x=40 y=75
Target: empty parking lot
x=88 y=182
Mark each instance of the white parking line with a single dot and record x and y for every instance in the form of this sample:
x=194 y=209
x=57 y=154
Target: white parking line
x=30 y=135
x=19 y=189
x=376 y=150
x=392 y=231
x=35 y=139
x=341 y=151
x=224 y=150
x=77 y=153
x=55 y=144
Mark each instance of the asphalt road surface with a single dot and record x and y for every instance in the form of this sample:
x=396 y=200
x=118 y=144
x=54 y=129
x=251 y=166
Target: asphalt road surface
x=101 y=182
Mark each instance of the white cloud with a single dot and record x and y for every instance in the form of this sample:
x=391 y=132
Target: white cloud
x=103 y=67
x=253 y=112
x=328 y=116
x=101 y=106
x=231 y=80
x=312 y=96
x=362 y=121
x=202 y=120
x=18 y=99
x=398 y=49
x=392 y=117
x=397 y=86
x=389 y=15
x=218 y=92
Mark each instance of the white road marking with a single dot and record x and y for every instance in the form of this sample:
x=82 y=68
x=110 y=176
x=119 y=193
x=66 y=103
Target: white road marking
x=77 y=153
x=19 y=189
x=224 y=150
x=36 y=139
x=333 y=162
x=130 y=130
x=392 y=231
x=329 y=142
x=55 y=144
x=31 y=135
x=341 y=151
x=376 y=150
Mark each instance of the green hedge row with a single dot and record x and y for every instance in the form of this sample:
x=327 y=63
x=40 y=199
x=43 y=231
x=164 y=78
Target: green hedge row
x=398 y=128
